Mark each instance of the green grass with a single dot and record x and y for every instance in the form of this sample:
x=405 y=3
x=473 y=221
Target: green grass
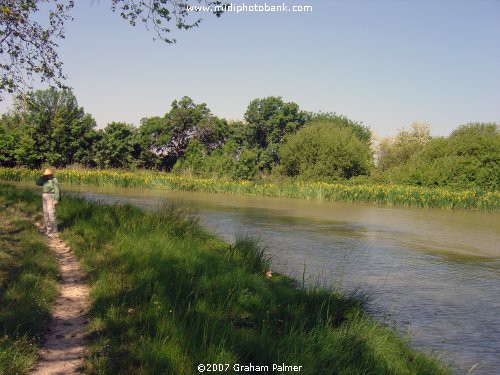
x=167 y=296
x=386 y=194
x=28 y=286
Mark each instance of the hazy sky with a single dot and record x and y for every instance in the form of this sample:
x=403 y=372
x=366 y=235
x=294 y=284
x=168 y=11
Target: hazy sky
x=385 y=63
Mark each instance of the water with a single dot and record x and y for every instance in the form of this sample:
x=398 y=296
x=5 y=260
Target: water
x=434 y=273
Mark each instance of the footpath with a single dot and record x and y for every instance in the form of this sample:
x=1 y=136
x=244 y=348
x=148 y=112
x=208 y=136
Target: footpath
x=64 y=346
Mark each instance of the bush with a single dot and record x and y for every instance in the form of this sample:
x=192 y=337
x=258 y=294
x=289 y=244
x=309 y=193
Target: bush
x=324 y=151
x=468 y=158
x=231 y=161
x=395 y=151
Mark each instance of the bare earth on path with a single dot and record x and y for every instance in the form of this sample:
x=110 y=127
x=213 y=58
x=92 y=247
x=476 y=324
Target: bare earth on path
x=64 y=346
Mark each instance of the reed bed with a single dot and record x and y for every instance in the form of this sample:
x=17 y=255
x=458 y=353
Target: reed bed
x=396 y=195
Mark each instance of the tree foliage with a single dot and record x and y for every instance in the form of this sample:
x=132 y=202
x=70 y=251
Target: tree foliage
x=361 y=131
x=168 y=137
x=157 y=15
x=47 y=127
x=9 y=142
x=29 y=48
x=394 y=151
x=229 y=161
x=270 y=119
x=118 y=146
x=324 y=151
x=50 y=128
x=468 y=158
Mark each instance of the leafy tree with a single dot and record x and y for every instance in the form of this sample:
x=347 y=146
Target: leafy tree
x=51 y=128
x=64 y=132
x=212 y=133
x=17 y=142
x=229 y=161
x=270 y=119
x=118 y=146
x=184 y=119
x=154 y=135
x=468 y=158
x=28 y=47
x=169 y=137
x=194 y=160
x=246 y=167
x=323 y=151
x=239 y=132
x=9 y=141
x=361 y=131
x=394 y=151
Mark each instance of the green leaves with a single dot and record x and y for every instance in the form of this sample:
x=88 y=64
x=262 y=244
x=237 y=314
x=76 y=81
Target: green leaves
x=30 y=47
x=118 y=146
x=270 y=119
x=49 y=128
x=468 y=158
x=323 y=150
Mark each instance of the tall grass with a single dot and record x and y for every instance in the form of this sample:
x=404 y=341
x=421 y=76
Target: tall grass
x=28 y=287
x=370 y=193
x=167 y=296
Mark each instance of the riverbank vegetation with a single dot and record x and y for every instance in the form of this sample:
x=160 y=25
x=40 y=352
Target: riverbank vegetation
x=28 y=286
x=167 y=296
x=278 y=150
x=354 y=192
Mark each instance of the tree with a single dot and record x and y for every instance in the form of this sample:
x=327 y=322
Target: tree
x=396 y=151
x=9 y=141
x=63 y=130
x=28 y=47
x=468 y=158
x=154 y=135
x=169 y=137
x=50 y=128
x=361 y=131
x=118 y=146
x=228 y=161
x=184 y=118
x=323 y=151
x=270 y=119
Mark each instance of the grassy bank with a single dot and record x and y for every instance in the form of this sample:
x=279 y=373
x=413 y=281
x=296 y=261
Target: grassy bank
x=369 y=193
x=167 y=296
x=28 y=285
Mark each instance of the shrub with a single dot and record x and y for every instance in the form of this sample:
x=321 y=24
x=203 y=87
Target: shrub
x=468 y=158
x=394 y=151
x=324 y=151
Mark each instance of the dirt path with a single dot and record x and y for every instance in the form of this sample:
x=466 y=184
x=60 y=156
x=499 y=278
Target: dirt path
x=63 y=349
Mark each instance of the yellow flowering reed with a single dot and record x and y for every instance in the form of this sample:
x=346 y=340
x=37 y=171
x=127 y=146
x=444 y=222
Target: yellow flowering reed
x=370 y=193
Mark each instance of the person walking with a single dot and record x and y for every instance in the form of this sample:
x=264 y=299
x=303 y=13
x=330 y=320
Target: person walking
x=50 y=198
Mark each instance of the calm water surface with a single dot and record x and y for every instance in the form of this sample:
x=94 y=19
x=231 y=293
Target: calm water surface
x=435 y=273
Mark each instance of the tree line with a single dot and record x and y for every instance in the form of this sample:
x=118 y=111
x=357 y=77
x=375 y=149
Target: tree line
x=276 y=138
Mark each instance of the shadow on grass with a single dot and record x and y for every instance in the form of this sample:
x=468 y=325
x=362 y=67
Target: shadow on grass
x=28 y=287
x=168 y=296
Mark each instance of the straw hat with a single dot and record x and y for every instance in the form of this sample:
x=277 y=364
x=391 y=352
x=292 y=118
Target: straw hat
x=48 y=172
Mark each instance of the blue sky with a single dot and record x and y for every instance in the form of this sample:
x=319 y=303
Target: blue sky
x=386 y=63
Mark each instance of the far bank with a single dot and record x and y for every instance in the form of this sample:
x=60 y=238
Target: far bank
x=393 y=195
